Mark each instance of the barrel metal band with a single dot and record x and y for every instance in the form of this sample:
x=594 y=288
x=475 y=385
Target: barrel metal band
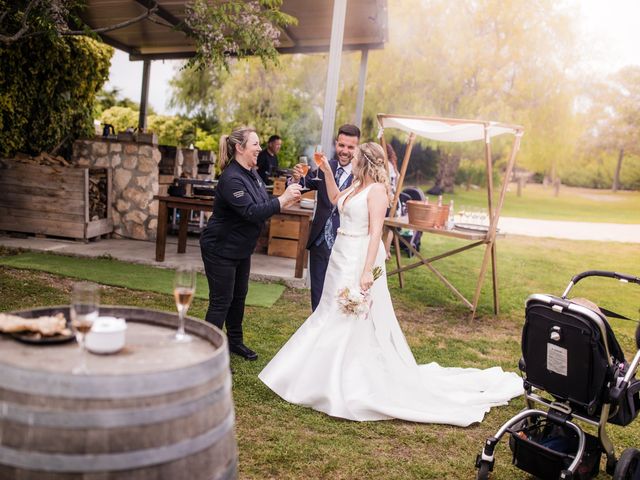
x=107 y=462
x=114 y=418
x=111 y=386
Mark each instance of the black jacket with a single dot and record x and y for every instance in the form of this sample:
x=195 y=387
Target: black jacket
x=240 y=207
x=324 y=208
x=267 y=165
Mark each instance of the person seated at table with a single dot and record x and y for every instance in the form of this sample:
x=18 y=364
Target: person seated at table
x=241 y=205
x=268 y=159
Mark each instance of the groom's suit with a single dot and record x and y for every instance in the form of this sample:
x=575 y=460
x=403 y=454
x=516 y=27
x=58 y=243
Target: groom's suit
x=319 y=251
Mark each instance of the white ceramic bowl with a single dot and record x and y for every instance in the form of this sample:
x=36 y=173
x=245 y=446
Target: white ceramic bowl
x=107 y=335
x=307 y=203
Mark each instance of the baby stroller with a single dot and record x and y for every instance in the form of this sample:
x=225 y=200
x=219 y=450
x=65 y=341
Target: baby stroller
x=411 y=236
x=570 y=353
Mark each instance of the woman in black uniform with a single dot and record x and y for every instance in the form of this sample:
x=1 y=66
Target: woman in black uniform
x=240 y=208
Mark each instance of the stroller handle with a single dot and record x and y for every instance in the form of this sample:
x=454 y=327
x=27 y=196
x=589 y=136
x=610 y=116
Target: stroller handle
x=600 y=273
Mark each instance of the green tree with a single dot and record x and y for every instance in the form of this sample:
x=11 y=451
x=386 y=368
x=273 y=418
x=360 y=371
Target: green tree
x=47 y=92
x=120 y=117
x=107 y=98
x=486 y=59
x=173 y=129
x=272 y=100
x=615 y=114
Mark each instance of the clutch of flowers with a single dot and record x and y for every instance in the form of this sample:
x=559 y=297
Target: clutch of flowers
x=354 y=302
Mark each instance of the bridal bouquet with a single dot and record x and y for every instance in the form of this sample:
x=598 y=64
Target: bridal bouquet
x=356 y=303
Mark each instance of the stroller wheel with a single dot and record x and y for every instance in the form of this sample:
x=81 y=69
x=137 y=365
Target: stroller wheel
x=628 y=467
x=483 y=471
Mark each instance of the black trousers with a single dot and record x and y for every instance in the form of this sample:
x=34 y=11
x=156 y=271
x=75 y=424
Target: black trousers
x=228 y=285
x=318 y=262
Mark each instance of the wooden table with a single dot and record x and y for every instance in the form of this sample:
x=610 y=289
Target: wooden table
x=475 y=238
x=186 y=204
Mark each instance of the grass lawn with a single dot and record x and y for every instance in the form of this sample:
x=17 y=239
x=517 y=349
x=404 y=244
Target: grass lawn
x=573 y=204
x=281 y=441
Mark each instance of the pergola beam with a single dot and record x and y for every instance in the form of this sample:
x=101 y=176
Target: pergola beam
x=171 y=19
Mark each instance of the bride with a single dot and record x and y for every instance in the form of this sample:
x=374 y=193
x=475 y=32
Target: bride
x=360 y=367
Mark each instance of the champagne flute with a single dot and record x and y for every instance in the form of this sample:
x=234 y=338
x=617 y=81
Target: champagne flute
x=318 y=157
x=85 y=299
x=304 y=164
x=184 y=287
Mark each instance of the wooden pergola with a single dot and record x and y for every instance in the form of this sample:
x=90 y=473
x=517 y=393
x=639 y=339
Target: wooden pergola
x=453 y=130
x=323 y=26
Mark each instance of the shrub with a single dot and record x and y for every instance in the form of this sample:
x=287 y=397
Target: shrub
x=47 y=91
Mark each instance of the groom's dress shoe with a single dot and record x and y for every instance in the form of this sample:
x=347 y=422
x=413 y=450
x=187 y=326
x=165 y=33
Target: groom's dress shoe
x=244 y=351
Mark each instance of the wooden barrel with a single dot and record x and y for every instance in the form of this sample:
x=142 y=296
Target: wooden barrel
x=156 y=410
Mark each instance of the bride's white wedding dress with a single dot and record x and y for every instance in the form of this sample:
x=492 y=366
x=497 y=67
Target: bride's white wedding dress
x=362 y=368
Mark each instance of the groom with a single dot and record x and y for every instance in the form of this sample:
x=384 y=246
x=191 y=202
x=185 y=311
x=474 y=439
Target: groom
x=326 y=219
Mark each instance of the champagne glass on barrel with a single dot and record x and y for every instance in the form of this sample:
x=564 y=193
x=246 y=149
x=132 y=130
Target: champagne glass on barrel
x=318 y=157
x=184 y=287
x=84 y=309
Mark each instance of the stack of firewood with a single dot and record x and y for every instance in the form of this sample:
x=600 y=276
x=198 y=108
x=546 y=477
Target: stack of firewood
x=97 y=194
x=43 y=158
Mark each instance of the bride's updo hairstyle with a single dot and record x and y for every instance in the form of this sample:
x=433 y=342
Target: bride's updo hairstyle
x=228 y=144
x=372 y=162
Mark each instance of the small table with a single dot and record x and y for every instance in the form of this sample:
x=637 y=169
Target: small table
x=476 y=238
x=186 y=204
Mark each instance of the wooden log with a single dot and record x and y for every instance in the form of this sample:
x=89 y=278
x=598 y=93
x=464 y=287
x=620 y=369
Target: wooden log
x=157 y=410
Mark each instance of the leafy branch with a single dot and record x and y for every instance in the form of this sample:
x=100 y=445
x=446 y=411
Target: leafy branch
x=41 y=17
x=235 y=29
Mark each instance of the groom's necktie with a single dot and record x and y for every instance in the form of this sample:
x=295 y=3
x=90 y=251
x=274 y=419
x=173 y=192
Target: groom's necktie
x=331 y=226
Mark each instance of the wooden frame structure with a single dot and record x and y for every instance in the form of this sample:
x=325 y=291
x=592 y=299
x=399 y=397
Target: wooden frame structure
x=453 y=130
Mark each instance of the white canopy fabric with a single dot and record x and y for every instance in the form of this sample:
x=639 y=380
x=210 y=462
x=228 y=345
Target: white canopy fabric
x=446 y=131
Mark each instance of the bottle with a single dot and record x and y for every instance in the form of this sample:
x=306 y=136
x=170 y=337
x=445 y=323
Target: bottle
x=439 y=200
x=450 y=218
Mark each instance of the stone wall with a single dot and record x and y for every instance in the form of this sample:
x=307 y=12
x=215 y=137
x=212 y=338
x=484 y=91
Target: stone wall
x=135 y=182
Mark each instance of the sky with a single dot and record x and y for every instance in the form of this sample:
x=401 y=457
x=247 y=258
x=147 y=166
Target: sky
x=613 y=26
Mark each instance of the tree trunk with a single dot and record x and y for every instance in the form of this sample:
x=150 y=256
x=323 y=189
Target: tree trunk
x=447 y=168
x=616 y=176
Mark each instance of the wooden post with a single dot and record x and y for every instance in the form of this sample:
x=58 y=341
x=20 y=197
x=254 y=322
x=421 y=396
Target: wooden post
x=489 y=167
x=403 y=170
x=494 y=269
x=493 y=225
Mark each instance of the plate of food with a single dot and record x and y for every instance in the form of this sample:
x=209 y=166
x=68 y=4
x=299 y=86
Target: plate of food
x=37 y=331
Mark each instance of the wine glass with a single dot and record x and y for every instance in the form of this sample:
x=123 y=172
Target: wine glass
x=318 y=157
x=85 y=300
x=184 y=287
x=304 y=164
